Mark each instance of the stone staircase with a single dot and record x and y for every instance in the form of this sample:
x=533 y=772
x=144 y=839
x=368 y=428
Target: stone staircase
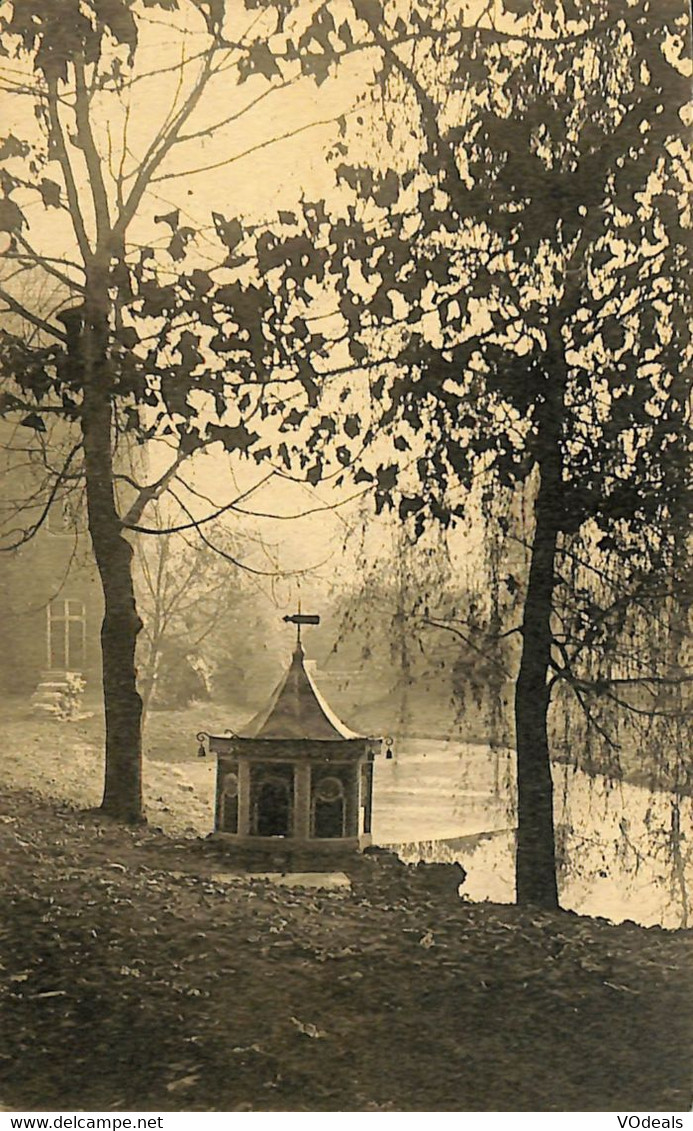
x=58 y=694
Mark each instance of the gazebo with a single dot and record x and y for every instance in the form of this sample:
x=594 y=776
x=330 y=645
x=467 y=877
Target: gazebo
x=296 y=785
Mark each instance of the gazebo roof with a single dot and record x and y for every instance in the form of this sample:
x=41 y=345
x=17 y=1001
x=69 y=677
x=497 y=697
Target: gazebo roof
x=297 y=710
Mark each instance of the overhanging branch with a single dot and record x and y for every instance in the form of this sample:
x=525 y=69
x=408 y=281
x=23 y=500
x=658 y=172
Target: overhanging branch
x=22 y=311
x=29 y=533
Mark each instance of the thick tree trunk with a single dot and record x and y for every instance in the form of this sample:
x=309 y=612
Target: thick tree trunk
x=122 y=797
x=535 y=867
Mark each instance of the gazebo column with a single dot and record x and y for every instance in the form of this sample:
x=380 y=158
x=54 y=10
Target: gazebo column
x=301 y=828
x=367 y=796
x=353 y=801
x=243 y=797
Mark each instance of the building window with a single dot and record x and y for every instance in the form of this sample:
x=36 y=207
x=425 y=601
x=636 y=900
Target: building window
x=66 y=635
x=328 y=808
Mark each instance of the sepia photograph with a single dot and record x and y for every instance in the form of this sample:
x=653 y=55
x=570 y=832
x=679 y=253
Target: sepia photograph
x=346 y=558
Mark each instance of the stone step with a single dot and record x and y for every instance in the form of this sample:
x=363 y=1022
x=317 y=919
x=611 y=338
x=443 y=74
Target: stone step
x=56 y=693
x=58 y=674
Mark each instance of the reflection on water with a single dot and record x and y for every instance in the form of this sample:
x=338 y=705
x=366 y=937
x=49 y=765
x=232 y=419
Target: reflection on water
x=618 y=858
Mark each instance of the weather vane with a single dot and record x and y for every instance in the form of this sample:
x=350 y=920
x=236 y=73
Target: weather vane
x=300 y=618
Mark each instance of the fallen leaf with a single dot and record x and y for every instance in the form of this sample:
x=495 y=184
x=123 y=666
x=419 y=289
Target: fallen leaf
x=622 y=989
x=183 y=1082
x=308 y=1029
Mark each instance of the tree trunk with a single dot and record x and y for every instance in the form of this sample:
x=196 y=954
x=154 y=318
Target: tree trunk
x=122 y=797
x=535 y=862
x=149 y=676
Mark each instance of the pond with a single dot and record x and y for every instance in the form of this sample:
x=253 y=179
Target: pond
x=617 y=853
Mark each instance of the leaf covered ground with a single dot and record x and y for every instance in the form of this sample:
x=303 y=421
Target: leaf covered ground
x=134 y=978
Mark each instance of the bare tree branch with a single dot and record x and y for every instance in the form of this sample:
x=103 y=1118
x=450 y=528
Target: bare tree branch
x=462 y=636
x=29 y=533
x=47 y=262
x=195 y=523
x=242 y=565
x=149 y=493
x=251 y=149
x=58 y=138
x=35 y=320
x=161 y=146
x=92 y=158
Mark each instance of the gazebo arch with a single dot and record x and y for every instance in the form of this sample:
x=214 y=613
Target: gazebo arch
x=328 y=808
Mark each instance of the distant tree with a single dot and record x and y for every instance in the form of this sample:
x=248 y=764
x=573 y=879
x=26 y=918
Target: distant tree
x=180 y=596
x=203 y=617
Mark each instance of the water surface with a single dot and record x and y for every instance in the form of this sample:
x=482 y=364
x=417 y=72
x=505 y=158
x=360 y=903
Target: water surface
x=618 y=857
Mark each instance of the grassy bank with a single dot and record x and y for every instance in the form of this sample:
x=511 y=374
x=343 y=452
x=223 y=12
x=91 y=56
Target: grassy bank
x=134 y=977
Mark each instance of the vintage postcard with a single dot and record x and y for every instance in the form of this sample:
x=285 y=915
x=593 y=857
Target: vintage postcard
x=345 y=558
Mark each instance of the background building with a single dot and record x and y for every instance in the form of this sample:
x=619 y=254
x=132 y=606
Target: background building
x=50 y=596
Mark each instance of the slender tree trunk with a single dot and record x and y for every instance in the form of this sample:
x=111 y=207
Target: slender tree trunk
x=122 y=797
x=150 y=675
x=156 y=583
x=535 y=867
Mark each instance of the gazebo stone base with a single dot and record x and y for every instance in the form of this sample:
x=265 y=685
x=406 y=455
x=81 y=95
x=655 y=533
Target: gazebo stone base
x=290 y=854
